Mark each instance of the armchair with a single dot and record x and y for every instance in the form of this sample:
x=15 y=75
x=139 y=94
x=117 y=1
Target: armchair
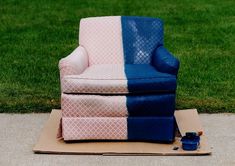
x=119 y=83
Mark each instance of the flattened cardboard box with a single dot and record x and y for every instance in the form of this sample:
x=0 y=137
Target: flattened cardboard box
x=187 y=120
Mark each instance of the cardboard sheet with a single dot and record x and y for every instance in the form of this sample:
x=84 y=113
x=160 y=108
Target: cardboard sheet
x=187 y=120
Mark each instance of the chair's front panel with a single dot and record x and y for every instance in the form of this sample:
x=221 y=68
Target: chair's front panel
x=102 y=38
x=119 y=128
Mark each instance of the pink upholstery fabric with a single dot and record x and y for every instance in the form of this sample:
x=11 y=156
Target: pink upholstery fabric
x=102 y=38
x=93 y=106
x=91 y=128
x=75 y=63
x=97 y=79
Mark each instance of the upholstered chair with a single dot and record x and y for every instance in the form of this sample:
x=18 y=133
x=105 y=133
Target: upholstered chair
x=119 y=83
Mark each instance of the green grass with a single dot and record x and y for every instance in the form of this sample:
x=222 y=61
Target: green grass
x=34 y=35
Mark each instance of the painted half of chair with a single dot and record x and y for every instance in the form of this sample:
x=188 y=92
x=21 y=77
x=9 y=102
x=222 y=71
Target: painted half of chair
x=120 y=82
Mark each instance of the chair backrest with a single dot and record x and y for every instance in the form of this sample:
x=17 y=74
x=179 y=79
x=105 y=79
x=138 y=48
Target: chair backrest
x=120 y=39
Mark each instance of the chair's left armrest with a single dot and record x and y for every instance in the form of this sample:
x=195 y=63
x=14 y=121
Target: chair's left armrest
x=75 y=63
x=165 y=62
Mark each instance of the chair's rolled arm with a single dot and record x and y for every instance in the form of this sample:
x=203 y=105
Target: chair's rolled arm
x=75 y=63
x=165 y=62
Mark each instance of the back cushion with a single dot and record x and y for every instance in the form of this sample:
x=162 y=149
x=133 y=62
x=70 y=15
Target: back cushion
x=102 y=38
x=118 y=40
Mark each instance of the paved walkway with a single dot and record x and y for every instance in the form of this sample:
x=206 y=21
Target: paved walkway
x=19 y=132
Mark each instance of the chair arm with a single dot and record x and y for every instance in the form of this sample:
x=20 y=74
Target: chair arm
x=165 y=62
x=75 y=63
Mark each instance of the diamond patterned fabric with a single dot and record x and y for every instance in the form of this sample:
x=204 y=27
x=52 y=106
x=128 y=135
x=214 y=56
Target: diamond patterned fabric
x=94 y=128
x=93 y=106
x=97 y=79
x=102 y=38
x=75 y=63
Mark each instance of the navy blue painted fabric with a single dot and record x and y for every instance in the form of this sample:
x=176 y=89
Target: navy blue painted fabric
x=151 y=105
x=151 y=128
x=165 y=61
x=141 y=36
x=145 y=78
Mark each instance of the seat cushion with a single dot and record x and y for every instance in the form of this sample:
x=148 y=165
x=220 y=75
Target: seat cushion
x=119 y=79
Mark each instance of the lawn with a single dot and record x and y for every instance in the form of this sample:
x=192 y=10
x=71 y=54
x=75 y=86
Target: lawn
x=34 y=35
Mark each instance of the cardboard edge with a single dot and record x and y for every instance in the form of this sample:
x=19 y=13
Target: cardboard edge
x=122 y=154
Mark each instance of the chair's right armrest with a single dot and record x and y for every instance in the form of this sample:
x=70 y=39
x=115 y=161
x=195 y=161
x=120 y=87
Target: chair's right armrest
x=165 y=62
x=75 y=63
